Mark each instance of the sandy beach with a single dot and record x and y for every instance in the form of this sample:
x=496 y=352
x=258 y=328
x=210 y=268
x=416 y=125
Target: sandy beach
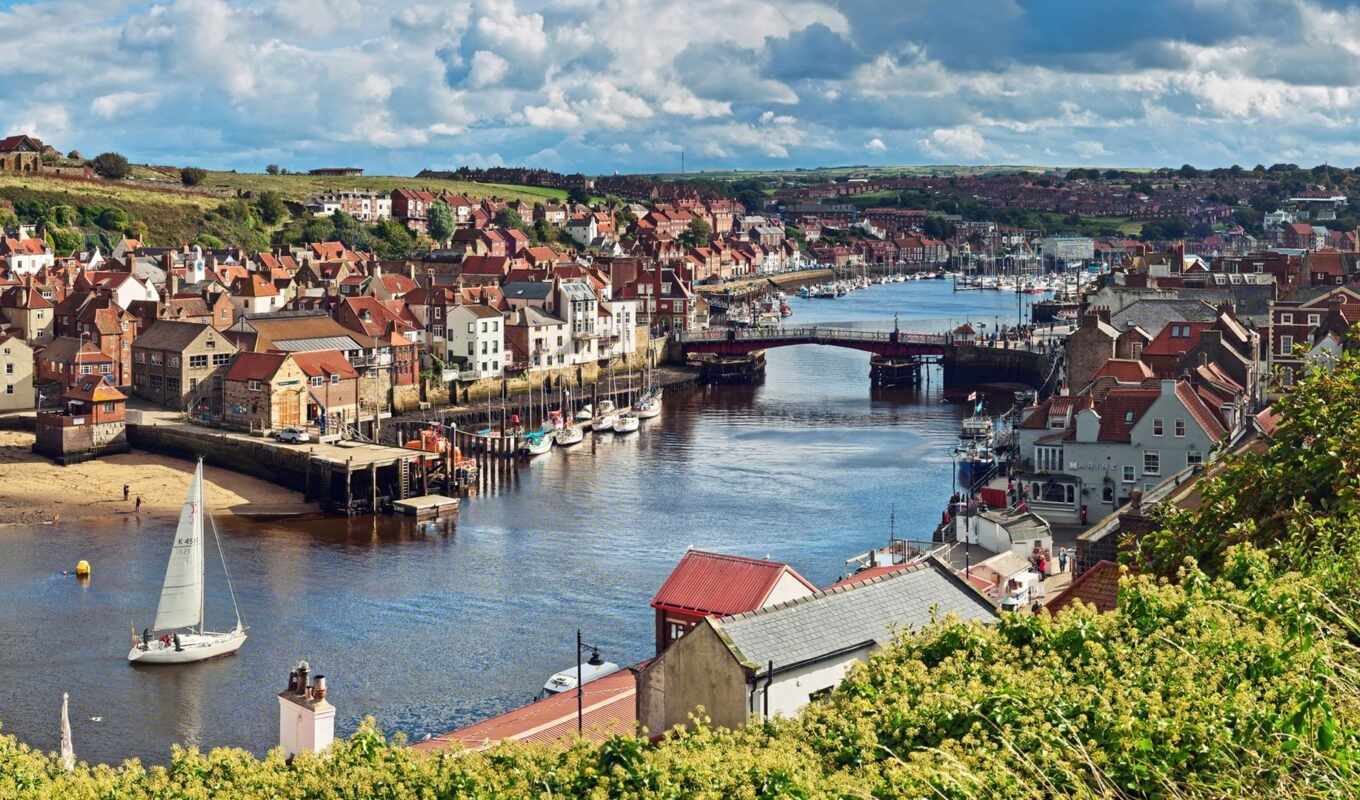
x=35 y=490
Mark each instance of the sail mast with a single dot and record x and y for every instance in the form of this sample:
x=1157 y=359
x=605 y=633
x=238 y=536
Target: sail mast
x=198 y=525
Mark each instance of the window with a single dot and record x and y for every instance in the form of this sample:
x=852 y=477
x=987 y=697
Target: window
x=174 y=361
x=1130 y=473
x=1107 y=493
x=198 y=362
x=1157 y=429
x=193 y=384
x=1048 y=459
x=472 y=327
x=221 y=359
x=472 y=348
x=1286 y=319
x=335 y=378
x=1128 y=417
x=1152 y=462
x=820 y=695
x=210 y=343
x=1180 y=428
x=9 y=388
x=317 y=380
x=85 y=369
x=253 y=386
x=484 y=327
x=9 y=369
x=108 y=407
x=155 y=358
x=1194 y=458
x=1286 y=345
x=1314 y=319
x=139 y=357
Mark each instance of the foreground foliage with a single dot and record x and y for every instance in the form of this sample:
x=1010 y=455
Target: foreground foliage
x=1234 y=679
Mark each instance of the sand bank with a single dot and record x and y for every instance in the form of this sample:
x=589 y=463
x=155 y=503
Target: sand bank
x=36 y=490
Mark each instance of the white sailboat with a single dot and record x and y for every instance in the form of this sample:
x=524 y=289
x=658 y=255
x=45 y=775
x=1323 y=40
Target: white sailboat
x=179 y=616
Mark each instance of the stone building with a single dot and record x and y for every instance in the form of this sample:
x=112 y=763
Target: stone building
x=265 y=392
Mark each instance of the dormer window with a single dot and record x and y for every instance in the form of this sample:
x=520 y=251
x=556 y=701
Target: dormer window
x=1128 y=417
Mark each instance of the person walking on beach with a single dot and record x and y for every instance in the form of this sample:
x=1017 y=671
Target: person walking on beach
x=125 y=492
x=139 y=504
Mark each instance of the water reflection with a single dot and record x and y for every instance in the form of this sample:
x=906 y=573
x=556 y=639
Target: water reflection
x=429 y=629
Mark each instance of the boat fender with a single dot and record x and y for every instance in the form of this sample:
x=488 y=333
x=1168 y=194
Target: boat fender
x=82 y=569
x=178 y=649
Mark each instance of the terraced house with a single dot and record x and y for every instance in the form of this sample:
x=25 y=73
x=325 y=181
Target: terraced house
x=180 y=365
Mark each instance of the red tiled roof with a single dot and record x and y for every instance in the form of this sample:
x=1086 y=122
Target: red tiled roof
x=93 y=389
x=253 y=285
x=868 y=574
x=1268 y=420
x=1164 y=344
x=714 y=583
x=1194 y=404
x=1097 y=587
x=324 y=363
x=255 y=366
x=610 y=710
x=1124 y=370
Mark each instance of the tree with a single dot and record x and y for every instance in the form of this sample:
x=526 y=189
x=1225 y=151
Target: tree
x=543 y=233
x=111 y=166
x=271 y=207
x=272 y=169
x=392 y=240
x=113 y=219
x=698 y=233
x=192 y=176
x=509 y=218
x=441 y=224
x=74 y=155
x=577 y=194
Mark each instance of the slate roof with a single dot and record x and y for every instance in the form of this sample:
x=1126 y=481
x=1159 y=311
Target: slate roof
x=1154 y=314
x=1097 y=587
x=844 y=618
x=527 y=291
x=171 y=335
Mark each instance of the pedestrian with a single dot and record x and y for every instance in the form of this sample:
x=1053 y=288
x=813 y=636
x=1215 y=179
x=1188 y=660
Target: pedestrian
x=139 y=504
x=1062 y=560
x=125 y=492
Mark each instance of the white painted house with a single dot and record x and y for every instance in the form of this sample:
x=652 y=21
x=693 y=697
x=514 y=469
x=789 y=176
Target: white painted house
x=475 y=340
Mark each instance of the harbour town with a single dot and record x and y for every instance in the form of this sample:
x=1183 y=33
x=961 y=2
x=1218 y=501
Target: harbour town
x=517 y=400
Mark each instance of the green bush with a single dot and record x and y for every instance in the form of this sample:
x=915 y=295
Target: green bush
x=192 y=176
x=111 y=165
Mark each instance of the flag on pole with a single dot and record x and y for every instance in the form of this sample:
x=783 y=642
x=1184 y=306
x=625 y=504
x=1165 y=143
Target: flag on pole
x=972 y=397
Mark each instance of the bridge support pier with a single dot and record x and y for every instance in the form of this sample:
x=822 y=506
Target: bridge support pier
x=887 y=371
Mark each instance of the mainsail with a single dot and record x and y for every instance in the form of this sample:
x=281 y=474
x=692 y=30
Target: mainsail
x=181 y=603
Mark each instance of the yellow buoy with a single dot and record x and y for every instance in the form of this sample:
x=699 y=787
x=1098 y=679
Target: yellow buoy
x=83 y=569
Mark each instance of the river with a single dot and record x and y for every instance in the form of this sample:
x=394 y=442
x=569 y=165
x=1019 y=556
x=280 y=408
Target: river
x=429 y=631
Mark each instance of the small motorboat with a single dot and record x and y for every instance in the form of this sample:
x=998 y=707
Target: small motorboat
x=569 y=435
x=592 y=669
x=627 y=422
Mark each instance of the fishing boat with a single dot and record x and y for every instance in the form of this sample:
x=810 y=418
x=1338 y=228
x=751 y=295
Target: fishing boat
x=570 y=435
x=805 y=293
x=785 y=310
x=976 y=427
x=976 y=463
x=179 y=616
x=627 y=422
x=767 y=319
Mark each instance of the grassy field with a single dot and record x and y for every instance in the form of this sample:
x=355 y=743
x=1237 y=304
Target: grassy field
x=174 y=215
x=298 y=188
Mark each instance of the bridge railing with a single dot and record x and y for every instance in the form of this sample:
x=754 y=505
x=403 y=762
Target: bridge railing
x=810 y=332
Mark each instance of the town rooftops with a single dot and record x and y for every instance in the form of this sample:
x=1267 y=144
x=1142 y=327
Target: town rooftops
x=324 y=363
x=480 y=311
x=1097 y=587
x=716 y=583
x=93 y=389
x=847 y=618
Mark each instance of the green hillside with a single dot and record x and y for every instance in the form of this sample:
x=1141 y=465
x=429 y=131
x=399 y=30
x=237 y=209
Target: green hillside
x=153 y=205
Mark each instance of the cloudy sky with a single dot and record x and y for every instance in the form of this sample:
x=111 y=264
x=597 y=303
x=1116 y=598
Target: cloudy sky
x=626 y=85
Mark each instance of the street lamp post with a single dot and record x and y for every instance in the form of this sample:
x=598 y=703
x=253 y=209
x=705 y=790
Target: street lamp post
x=580 y=692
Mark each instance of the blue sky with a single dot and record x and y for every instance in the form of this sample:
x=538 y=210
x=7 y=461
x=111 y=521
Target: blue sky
x=625 y=85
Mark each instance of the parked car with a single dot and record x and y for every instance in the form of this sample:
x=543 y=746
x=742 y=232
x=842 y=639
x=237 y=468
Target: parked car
x=292 y=435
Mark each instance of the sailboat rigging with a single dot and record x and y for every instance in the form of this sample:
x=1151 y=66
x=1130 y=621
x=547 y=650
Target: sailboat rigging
x=179 y=614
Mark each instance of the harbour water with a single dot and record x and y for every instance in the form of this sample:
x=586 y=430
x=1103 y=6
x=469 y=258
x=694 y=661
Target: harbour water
x=430 y=630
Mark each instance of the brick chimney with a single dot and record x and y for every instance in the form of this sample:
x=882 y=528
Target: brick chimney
x=306 y=719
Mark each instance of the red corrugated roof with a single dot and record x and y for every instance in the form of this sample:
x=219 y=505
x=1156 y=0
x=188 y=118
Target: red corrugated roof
x=718 y=584
x=1097 y=586
x=610 y=710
